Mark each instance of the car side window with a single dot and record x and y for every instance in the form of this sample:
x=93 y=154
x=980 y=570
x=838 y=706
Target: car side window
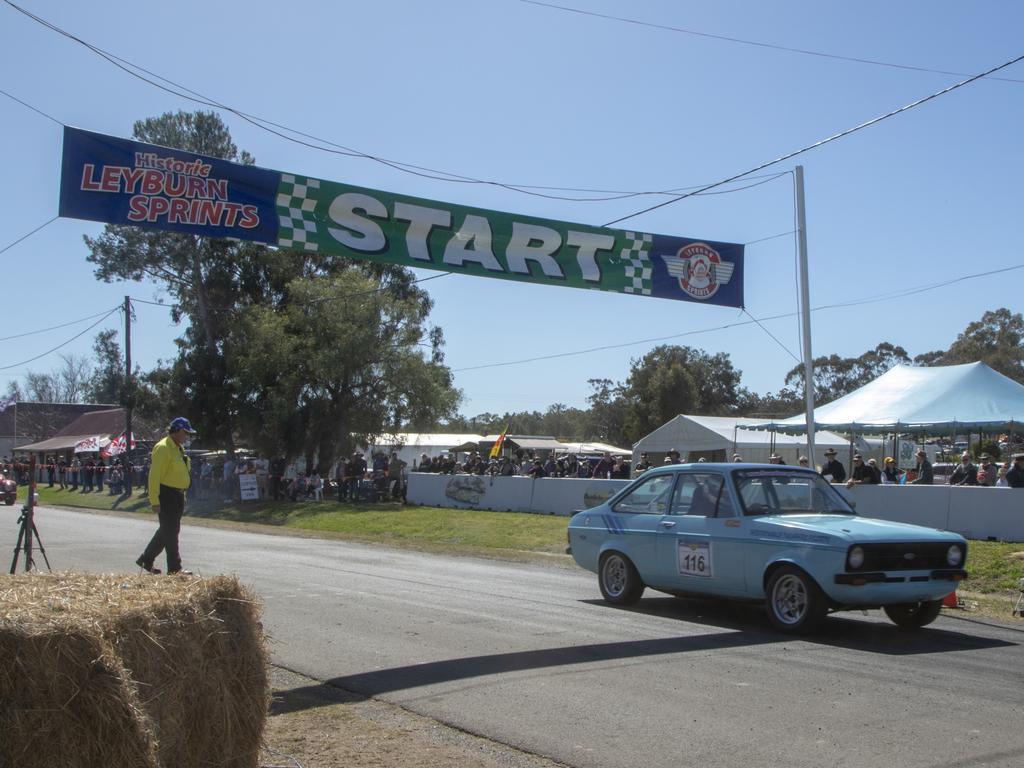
x=702 y=494
x=650 y=497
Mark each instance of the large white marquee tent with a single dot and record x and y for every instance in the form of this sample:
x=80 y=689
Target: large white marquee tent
x=937 y=400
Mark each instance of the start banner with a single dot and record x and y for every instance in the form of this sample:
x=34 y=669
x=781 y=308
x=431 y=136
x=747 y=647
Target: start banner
x=117 y=181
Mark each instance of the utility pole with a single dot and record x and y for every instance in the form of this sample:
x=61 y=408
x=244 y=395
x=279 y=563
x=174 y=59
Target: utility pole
x=805 y=311
x=129 y=394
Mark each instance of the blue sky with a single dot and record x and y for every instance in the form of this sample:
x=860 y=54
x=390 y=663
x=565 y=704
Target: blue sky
x=515 y=92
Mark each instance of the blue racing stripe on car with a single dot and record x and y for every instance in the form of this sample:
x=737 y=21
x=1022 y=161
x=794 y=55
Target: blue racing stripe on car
x=611 y=522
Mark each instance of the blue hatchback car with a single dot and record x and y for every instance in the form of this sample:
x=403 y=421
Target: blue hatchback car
x=763 y=532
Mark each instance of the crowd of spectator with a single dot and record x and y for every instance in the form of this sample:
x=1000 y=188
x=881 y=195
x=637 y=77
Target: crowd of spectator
x=525 y=464
x=85 y=474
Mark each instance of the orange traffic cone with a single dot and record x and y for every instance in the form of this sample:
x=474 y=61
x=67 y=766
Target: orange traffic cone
x=950 y=600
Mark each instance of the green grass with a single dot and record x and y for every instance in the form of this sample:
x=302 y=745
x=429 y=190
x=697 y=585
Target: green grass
x=455 y=530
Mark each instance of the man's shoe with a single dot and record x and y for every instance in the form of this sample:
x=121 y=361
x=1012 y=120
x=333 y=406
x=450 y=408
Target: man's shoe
x=179 y=572
x=147 y=568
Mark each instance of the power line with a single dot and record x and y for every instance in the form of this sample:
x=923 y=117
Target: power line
x=822 y=142
x=12 y=97
x=25 y=237
x=753 y=320
x=267 y=125
x=62 y=344
x=728 y=39
x=53 y=327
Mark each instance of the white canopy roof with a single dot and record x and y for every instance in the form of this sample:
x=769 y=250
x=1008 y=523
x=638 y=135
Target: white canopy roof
x=909 y=399
x=427 y=439
x=595 y=448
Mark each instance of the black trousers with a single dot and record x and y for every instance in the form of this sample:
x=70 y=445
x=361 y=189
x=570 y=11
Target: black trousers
x=172 y=507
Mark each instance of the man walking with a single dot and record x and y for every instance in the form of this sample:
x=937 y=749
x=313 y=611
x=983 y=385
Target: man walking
x=169 y=478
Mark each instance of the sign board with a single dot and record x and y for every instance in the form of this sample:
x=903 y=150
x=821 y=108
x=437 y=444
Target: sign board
x=117 y=181
x=247 y=488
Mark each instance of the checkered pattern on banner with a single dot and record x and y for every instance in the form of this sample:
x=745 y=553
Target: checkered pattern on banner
x=295 y=207
x=638 y=264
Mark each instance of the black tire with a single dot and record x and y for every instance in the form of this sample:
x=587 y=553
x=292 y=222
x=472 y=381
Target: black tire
x=913 y=615
x=620 y=583
x=10 y=501
x=795 y=602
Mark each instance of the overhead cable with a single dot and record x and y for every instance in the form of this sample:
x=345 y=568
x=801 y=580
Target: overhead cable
x=839 y=305
x=63 y=343
x=53 y=327
x=822 y=142
x=332 y=147
x=728 y=39
x=26 y=236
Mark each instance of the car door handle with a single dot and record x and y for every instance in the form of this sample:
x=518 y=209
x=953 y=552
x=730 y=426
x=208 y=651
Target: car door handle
x=668 y=524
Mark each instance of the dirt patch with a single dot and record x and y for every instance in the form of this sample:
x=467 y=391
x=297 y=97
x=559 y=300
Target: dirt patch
x=315 y=724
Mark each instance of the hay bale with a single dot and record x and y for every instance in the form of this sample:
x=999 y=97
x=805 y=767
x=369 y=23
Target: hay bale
x=130 y=671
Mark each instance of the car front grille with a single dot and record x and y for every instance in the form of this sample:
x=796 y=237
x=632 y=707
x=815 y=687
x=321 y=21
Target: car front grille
x=905 y=556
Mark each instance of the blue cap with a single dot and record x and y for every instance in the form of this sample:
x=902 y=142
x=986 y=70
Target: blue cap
x=181 y=423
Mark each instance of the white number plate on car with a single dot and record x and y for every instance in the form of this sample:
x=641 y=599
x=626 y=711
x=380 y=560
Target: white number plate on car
x=693 y=558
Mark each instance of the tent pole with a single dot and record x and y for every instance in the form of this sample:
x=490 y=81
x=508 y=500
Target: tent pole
x=805 y=311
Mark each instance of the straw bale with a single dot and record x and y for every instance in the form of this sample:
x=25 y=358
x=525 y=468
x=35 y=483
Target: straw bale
x=130 y=671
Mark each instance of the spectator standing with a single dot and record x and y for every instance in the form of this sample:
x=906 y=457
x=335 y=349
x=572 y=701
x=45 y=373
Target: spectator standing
x=832 y=470
x=862 y=473
x=965 y=473
x=101 y=470
x=396 y=468
x=227 y=479
x=51 y=470
x=875 y=471
x=990 y=469
x=76 y=467
x=643 y=465
x=536 y=470
x=62 y=472
x=1015 y=474
x=890 y=475
x=925 y=475
x=673 y=456
x=604 y=467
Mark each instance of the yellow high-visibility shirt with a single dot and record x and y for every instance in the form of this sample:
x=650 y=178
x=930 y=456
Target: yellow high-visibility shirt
x=169 y=466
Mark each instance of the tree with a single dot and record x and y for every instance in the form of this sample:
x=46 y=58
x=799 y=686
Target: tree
x=269 y=353
x=336 y=366
x=67 y=384
x=997 y=340
x=836 y=376
x=781 y=404
x=107 y=385
x=670 y=380
x=202 y=275
x=606 y=419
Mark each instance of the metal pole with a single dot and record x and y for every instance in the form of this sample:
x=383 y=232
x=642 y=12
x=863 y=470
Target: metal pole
x=128 y=395
x=805 y=310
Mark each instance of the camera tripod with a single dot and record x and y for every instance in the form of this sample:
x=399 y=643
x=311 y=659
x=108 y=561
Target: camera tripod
x=28 y=526
x=25 y=534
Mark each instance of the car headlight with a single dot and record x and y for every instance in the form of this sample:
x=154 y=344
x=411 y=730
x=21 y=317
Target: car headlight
x=855 y=558
x=955 y=555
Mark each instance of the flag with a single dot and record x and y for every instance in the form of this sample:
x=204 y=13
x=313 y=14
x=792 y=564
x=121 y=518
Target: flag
x=7 y=402
x=496 y=448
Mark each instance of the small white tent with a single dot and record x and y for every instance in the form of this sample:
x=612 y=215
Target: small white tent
x=720 y=437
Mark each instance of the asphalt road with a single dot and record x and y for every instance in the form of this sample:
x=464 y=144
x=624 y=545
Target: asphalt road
x=528 y=655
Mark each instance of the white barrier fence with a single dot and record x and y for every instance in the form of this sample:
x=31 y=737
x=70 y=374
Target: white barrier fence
x=977 y=513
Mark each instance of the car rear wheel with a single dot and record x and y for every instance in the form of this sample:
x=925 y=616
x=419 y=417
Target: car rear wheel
x=913 y=615
x=795 y=602
x=620 y=583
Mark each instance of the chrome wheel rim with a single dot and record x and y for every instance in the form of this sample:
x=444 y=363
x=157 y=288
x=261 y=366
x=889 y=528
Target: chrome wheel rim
x=615 y=575
x=789 y=599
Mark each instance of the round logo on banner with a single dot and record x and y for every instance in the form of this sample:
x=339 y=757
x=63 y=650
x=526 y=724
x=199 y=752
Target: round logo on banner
x=699 y=279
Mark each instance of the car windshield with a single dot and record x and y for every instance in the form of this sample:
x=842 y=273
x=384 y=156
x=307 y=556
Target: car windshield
x=778 y=492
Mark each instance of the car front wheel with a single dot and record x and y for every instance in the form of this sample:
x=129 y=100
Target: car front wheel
x=913 y=615
x=620 y=583
x=795 y=602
